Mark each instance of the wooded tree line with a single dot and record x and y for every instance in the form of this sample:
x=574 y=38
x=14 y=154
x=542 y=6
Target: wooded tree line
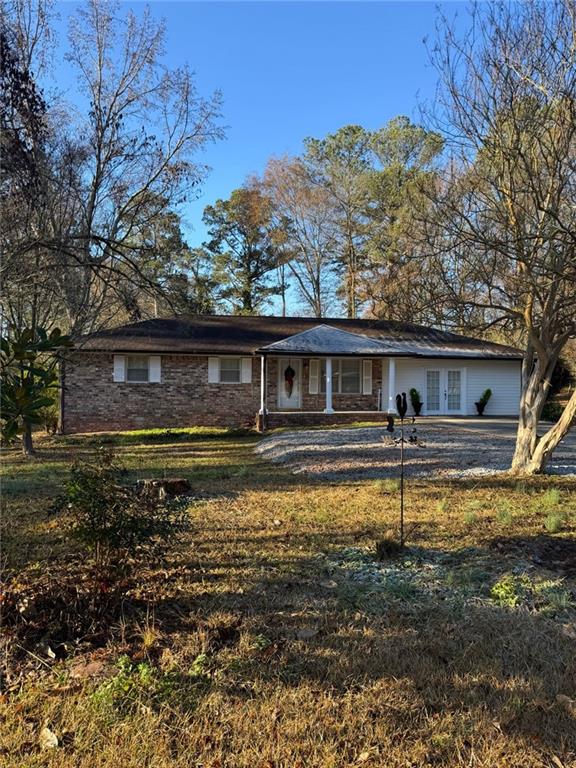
x=91 y=190
x=465 y=220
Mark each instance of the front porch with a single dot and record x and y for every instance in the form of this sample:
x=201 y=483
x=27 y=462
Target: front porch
x=329 y=376
x=297 y=385
x=325 y=376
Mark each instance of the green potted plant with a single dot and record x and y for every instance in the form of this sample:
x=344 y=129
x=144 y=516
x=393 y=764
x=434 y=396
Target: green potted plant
x=416 y=401
x=481 y=404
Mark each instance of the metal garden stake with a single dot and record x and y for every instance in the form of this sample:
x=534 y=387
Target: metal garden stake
x=401 y=407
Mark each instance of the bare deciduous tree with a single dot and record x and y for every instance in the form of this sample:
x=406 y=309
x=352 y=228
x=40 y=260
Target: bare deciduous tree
x=306 y=209
x=508 y=205
x=113 y=171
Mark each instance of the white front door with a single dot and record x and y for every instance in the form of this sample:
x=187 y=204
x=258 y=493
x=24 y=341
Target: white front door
x=444 y=391
x=289 y=383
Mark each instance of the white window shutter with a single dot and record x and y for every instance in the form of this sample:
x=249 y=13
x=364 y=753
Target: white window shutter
x=154 y=369
x=246 y=375
x=366 y=377
x=213 y=370
x=314 y=377
x=119 y=368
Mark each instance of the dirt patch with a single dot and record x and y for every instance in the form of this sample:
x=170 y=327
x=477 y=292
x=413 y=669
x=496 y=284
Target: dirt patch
x=554 y=554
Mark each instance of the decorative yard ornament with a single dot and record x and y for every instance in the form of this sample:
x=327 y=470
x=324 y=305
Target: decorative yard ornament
x=401 y=404
x=390 y=425
x=402 y=407
x=289 y=375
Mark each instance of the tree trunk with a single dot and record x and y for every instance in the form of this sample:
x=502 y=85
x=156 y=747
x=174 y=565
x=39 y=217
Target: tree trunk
x=532 y=453
x=27 y=446
x=546 y=445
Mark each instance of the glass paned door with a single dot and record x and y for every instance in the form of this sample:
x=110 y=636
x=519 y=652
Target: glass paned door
x=454 y=391
x=444 y=391
x=433 y=391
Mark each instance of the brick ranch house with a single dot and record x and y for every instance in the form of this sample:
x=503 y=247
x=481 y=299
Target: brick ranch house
x=231 y=371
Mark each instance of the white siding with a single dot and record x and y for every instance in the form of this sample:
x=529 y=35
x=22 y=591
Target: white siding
x=501 y=376
x=411 y=373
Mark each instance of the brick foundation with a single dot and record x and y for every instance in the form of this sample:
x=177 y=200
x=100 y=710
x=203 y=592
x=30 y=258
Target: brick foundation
x=298 y=419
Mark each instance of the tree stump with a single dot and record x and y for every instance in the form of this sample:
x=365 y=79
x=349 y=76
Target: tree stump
x=162 y=488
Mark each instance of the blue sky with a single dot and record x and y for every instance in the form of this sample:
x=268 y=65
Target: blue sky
x=288 y=70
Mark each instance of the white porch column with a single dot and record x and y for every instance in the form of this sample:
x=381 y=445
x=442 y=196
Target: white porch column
x=392 y=385
x=262 y=385
x=328 y=408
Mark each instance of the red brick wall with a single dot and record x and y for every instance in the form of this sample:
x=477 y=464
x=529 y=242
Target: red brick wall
x=93 y=402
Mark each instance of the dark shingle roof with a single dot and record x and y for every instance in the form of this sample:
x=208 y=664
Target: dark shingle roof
x=241 y=335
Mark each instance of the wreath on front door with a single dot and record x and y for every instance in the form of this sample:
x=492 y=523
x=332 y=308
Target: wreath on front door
x=289 y=375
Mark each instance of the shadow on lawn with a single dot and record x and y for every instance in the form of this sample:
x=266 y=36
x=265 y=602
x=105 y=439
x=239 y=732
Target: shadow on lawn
x=410 y=660
x=466 y=660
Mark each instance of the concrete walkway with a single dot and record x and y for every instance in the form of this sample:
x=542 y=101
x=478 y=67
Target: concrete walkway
x=443 y=448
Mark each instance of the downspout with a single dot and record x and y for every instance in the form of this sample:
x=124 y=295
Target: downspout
x=61 y=397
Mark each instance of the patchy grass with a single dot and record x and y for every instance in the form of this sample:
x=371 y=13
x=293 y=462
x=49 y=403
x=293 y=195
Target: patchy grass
x=551 y=498
x=272 y=636
x=387 y=485
x=554 y=522
x=155 y=436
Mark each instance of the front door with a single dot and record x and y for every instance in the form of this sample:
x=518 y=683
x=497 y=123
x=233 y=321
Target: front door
x=289 y=384
x=444 y=394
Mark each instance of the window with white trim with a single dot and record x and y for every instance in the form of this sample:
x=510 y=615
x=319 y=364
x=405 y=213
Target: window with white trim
x=346 y=376
x=137 y=368
x=230 y=370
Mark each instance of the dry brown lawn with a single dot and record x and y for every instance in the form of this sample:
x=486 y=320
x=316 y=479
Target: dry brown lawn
x=252 y=645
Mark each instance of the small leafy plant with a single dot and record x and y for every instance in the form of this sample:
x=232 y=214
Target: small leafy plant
x=482 y=402
x=416 y=401
x=510 y=590
x=118 y=525
x=550 y=596
x=135 y=684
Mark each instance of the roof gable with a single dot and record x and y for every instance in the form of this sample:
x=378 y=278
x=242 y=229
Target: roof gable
x=327 y=340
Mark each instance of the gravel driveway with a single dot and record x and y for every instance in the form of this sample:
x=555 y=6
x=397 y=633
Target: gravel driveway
x=445 y=447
